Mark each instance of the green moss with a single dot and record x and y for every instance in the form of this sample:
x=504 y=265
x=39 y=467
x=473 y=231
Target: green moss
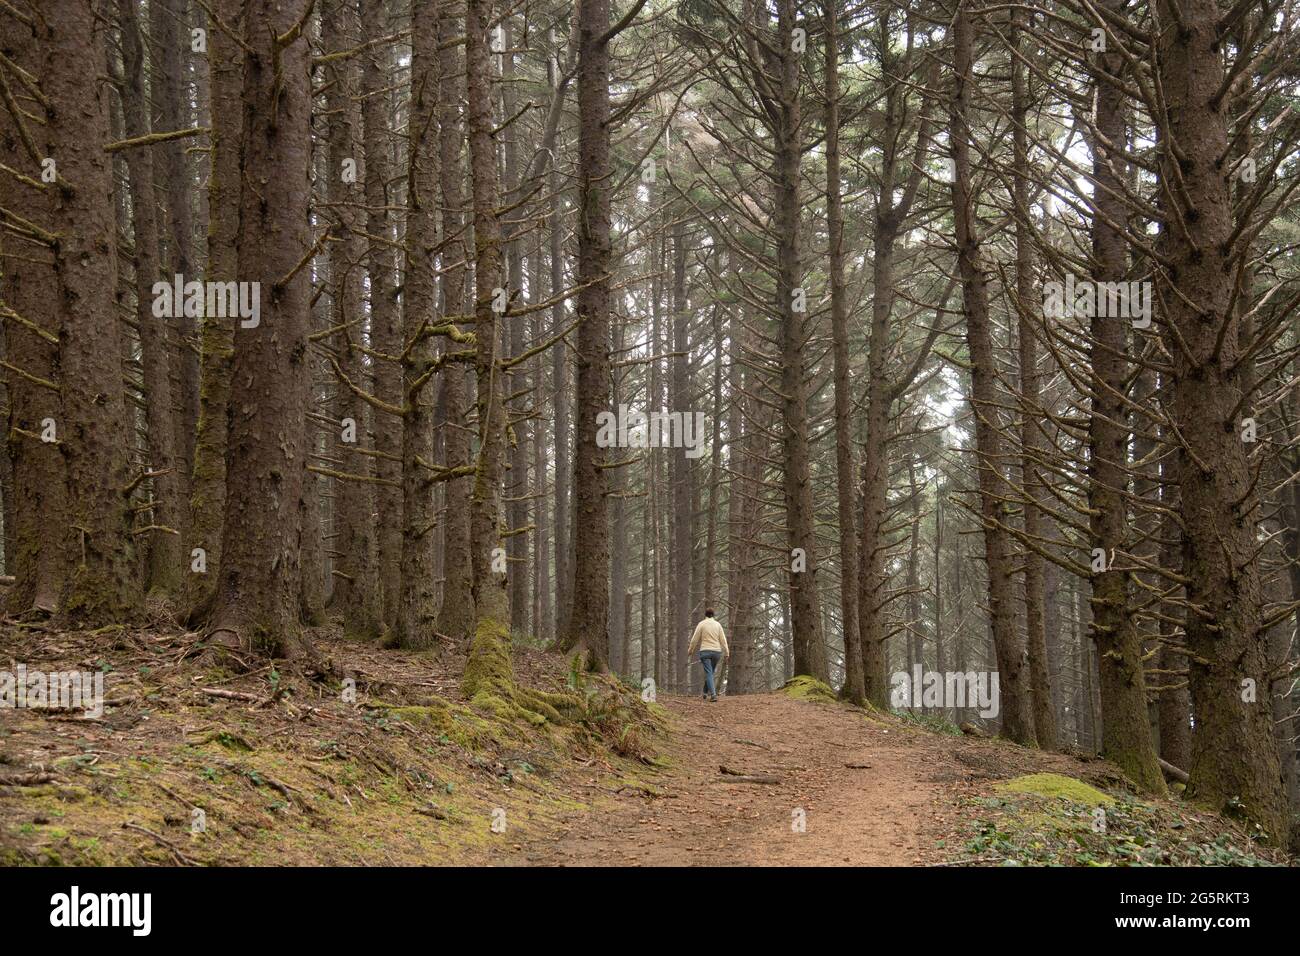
x=488 y=668
x=490 y=685
x=803 y=687
x=411 y=781
x=1056 y=785
x=1054 y=820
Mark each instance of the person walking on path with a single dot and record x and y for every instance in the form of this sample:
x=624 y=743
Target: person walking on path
x=711 y=643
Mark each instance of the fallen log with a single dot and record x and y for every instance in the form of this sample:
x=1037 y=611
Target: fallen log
x=234 y=695
x=1172 y=771
x=27 y=779
x=739 y=776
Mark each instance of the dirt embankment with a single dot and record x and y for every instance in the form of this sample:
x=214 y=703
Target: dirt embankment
x=378 y=760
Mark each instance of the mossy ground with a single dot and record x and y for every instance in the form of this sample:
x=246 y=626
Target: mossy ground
x=368 y=756
x=803 y=687
x=393 y=767
x=1054 y=785
x=1048 y=819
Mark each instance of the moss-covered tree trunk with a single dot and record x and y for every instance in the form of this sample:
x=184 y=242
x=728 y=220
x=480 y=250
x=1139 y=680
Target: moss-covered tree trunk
x=101 y=586
x=415 y=618
x=257 y=601
x=517 y=504
x=1126 y=729
x=488 y=667
x=217 y=335
x=456 y=614
x=28 y=293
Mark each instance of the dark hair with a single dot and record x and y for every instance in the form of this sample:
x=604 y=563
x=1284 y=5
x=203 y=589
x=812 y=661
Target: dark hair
x=708 y=612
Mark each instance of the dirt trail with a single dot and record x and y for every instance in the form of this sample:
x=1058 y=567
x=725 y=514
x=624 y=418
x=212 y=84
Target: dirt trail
x=871 y=793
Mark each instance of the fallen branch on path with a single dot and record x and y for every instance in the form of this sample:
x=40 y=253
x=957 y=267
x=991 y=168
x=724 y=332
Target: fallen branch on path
x=180 y=858
x=737 y=776
x=234 y=695
x=28 y=779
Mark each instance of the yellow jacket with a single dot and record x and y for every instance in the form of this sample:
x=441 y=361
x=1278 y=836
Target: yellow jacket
x=708 y=636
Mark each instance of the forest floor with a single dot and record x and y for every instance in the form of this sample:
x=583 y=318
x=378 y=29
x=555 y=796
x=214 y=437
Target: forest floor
x=190 y=763
x=826 y=784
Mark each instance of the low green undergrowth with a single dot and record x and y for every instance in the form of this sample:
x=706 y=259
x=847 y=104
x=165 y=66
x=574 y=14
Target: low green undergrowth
x=1052 y=820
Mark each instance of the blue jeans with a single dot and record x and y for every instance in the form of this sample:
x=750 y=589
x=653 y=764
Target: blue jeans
x=710 y=660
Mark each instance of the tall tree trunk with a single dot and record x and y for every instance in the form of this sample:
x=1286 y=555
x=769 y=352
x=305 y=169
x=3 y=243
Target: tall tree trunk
x=715 y=469
x=1031 y=438
x=809 y=650
x=217 y=335
x=517 y=378
x=588 y=633
x=681 y=518
x=355 y=584
x=100 y=585
x=165 y=571
x=1016 y=717
x=739 y=592
x=489 y=657
x=1126 y=730
x=456 y=614
x=854 y=682
x=168 y=88
x=618 y=557
x=1234 y=755
x=385 y=317
x=415 y=617
x=34 y=542
x=542 y=613
x=894 y=200
x=560 y=383
x=258 y=590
